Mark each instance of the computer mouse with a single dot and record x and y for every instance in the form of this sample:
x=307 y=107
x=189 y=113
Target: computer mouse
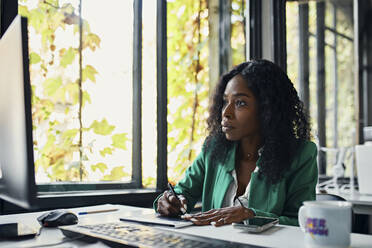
x=57 y=218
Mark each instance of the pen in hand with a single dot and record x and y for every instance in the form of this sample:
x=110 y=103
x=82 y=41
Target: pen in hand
x=183 y=208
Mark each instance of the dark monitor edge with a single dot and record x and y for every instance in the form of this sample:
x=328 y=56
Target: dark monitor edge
x=28 y=115
x=29 y=201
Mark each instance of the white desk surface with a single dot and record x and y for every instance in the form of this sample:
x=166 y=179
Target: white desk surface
x=279 y=236
x=358 y=198
x=362 y=203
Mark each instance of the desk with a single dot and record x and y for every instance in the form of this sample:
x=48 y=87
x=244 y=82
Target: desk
x=279 y=236
x=362 y=204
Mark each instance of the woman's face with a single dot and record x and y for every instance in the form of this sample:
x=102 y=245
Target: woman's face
x=239 y=111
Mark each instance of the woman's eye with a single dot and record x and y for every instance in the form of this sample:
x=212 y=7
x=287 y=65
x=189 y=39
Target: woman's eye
x=240 y=103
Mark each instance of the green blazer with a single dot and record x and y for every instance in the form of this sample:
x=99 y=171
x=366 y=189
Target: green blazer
x=209 y=182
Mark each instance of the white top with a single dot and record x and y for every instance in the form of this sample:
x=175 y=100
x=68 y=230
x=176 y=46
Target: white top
x=231 y=193
x=230 y=199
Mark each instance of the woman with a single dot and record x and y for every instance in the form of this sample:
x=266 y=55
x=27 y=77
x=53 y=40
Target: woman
x=257 y=159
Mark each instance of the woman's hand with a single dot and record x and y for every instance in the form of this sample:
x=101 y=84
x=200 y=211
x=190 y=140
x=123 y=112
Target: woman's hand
x=169 y=205
x=219 y=217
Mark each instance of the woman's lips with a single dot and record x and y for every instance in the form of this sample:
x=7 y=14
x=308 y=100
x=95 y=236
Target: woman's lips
x=227 y=128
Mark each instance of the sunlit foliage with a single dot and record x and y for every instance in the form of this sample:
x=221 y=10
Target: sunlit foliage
x=58 y=95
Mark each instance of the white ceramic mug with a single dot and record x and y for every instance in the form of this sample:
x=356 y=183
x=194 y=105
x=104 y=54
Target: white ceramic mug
x=326 y=223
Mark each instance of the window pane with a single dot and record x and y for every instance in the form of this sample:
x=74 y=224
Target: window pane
x=82 y=110
x=238 y=8
x=338 y=71
x=187 y=83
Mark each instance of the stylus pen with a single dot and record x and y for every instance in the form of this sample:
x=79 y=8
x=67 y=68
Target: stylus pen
x=98 y=211
x=183 y=210
x=240 y=202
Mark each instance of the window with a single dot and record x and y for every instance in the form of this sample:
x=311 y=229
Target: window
x=81 y=75
x=332 y=110
x=95 y=90
x=238 y=31
x=193 y=70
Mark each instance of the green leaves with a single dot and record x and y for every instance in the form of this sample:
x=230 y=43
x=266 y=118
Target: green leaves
x=89 y=72
x=148 y=181
x=35 y=18
x=23 y=11
x=116 y=174
x=73 y=91
x=51 y=85
x=68 y=57
x=119 y=141
x=54 y=3
x=100 y=166
x=34 y=58
x=105 y=151
x=92 y=41
x=102 y=127
x=86 y=98
x=68 y=136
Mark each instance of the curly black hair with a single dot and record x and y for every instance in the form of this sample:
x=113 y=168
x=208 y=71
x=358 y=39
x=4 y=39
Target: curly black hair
x=283 y=122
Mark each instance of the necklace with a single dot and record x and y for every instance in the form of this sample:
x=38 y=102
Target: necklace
x=249 y=157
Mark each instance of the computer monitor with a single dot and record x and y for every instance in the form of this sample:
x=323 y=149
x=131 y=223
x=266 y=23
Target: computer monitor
x=17 y=178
